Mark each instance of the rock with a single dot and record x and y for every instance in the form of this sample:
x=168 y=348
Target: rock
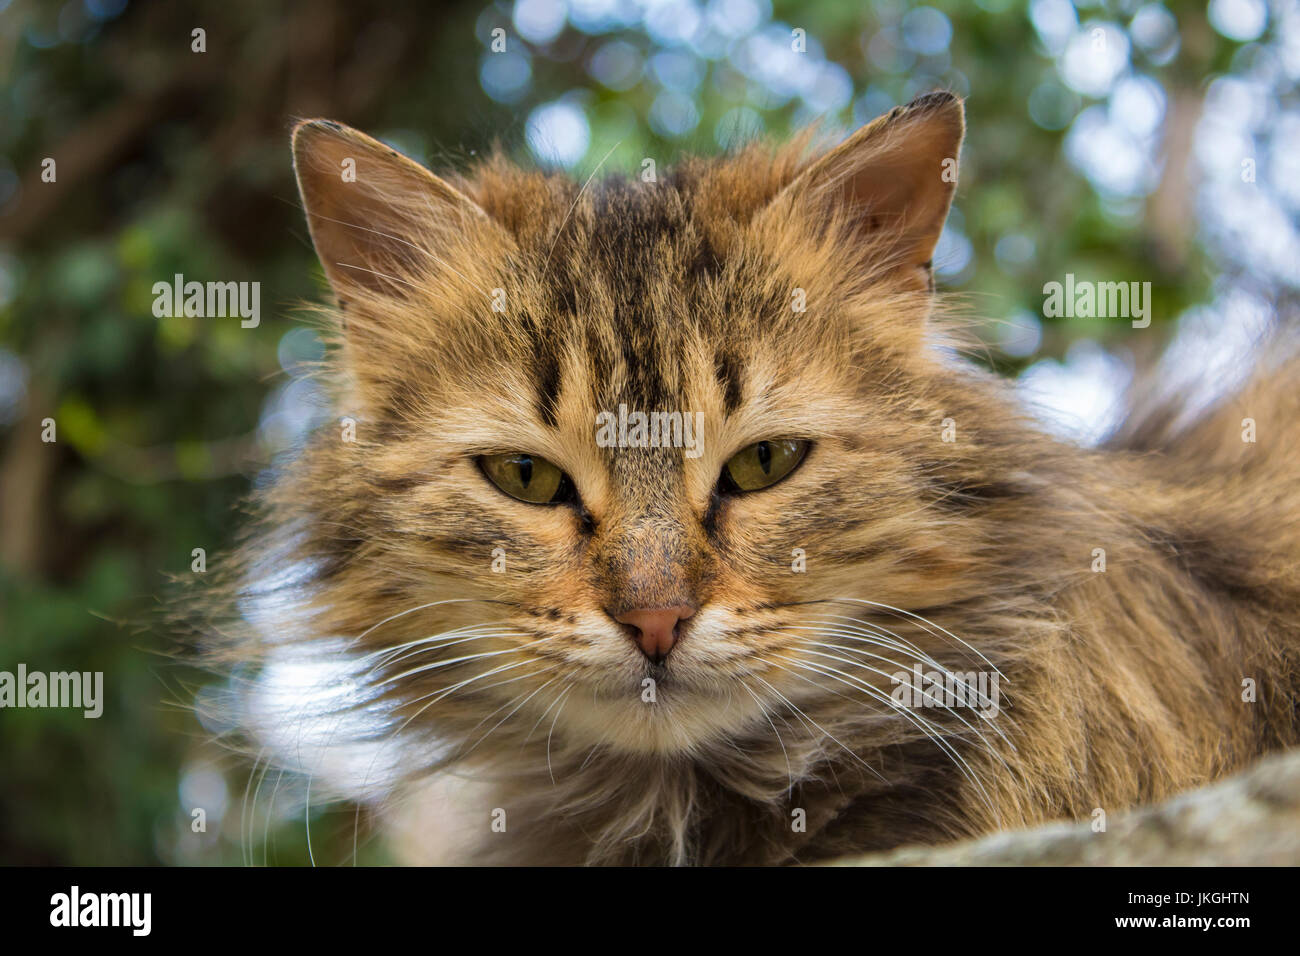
x=1252 y=819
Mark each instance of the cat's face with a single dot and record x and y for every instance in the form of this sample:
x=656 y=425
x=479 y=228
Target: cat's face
x=644 y=444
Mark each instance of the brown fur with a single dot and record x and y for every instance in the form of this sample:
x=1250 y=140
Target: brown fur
x=1122 y=686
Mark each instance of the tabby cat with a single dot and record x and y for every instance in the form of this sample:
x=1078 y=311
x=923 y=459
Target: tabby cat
x=664 y=522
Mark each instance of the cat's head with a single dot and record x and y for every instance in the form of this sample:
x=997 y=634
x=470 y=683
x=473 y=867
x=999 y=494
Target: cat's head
x=625 y=451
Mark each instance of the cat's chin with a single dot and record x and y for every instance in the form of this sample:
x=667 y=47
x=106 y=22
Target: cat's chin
x=677 y=721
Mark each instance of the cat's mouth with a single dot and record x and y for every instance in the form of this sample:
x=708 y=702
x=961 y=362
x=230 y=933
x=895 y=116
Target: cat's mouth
x=657 y=672
x=646 y=683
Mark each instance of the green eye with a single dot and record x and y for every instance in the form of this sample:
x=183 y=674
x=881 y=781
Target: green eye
x=527 y=477
x=763 y=464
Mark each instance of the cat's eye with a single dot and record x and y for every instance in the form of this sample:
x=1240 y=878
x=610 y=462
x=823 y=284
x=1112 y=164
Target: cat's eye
x=762 y=464
x=529 y=478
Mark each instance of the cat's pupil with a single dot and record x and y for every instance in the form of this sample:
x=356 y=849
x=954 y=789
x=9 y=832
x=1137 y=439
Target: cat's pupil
x=764 y=457
x=525 y=470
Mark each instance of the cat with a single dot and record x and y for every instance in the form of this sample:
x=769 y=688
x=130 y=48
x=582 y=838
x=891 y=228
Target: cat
x=879 y=606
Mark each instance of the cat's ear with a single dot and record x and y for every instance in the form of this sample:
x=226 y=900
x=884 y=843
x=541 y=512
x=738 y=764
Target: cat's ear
x=373 y=213
x=892 y=181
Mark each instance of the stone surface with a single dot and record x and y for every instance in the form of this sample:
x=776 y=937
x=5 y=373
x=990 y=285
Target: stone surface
x=1252 y=819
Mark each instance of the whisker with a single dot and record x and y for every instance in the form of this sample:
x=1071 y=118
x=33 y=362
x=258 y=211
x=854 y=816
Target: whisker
x=921 y=723
x=789 y=771
x=270 y=812
x=823 y=730
x=306 y=815
x=537 y=723
x=554 y=721
x=437 y=665
x=576 y=199
x=442 y=694
x=924 y=622
x=981 y=698
x=514 y=711
x=939 y=704
x=425 y=607
x=415 y=648
x=246 y=814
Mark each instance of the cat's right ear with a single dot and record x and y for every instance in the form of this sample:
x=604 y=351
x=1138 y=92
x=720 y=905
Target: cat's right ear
x=375 y=216
x=891 y=183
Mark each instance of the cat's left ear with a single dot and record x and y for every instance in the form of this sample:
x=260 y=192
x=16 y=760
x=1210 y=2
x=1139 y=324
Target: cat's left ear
x=375 y=216
x=893 y=181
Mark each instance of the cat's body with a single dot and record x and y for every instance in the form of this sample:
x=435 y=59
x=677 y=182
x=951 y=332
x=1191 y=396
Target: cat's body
x=1115 y=599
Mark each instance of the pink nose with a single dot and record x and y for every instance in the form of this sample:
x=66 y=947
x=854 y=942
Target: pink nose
x=656 y=628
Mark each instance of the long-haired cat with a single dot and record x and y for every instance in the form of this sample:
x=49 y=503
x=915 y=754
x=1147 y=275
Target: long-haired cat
x=661 y=522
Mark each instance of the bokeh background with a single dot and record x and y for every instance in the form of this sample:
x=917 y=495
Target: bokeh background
x=1117 y=140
